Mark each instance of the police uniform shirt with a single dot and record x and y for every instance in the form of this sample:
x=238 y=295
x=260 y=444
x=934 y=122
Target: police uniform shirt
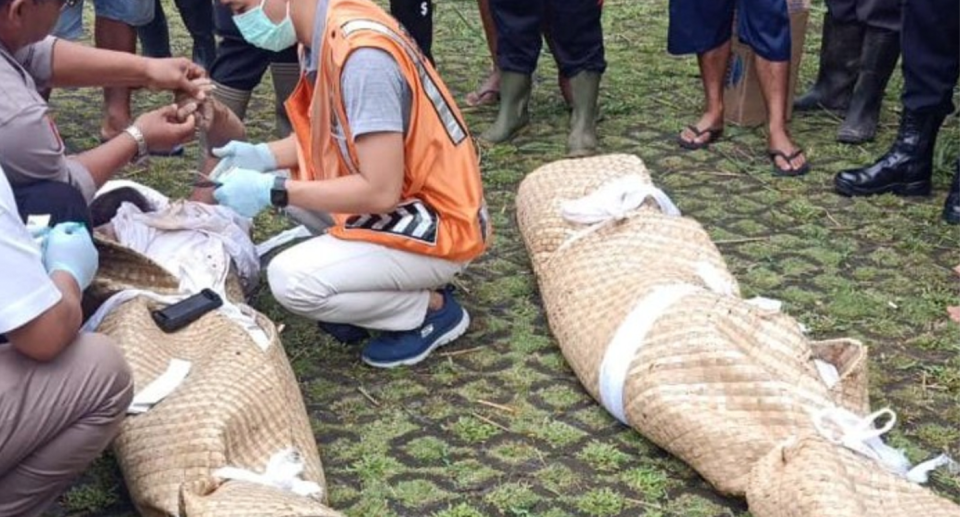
x=27 y=291
x=30 y=146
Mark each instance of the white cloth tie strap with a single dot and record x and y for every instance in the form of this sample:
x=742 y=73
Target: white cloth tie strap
x=160 y=388
x=283 y=472
x=614 y=201
x=629 y=338
x=860 y=435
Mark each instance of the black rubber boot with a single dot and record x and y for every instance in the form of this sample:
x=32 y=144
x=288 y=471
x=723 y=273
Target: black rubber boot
x=906 y=168
x=881 y=49
x=951 y=208
x=839 y=63
x=584 y=91
x=513 y=114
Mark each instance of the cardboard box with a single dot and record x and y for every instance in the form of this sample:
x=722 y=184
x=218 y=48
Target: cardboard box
x=742 y=98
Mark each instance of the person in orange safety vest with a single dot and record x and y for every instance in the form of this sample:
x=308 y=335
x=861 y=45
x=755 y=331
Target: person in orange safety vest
x=380 y=146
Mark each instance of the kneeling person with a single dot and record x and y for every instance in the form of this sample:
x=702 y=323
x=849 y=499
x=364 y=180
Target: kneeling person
x=63 y=394
x=389 y=156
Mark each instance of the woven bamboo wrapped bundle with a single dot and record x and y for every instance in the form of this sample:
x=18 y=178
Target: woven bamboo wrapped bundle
x=812 y=477
x=239 y=406
x=650 y=319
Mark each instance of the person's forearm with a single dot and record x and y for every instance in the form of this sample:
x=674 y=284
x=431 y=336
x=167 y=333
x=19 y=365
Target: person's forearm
x=106 y=159
x=47 y=335
x=345 y=195
x=285 y=152
x=80 y=65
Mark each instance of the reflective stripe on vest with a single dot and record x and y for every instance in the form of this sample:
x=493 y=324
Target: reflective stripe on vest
x=414 y=219
x=455 y=131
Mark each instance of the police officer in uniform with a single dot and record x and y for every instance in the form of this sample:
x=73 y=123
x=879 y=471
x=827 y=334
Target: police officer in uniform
x=861 y=44
x=931 y=65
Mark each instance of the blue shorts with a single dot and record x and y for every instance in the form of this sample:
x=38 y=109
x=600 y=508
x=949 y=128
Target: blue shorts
x=130 y=12
x=698 y=26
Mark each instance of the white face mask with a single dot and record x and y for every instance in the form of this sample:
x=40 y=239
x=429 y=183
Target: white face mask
x=260 y=31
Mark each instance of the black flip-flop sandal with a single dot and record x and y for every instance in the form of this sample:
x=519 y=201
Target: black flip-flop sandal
x=713 y=134
x=790 y=171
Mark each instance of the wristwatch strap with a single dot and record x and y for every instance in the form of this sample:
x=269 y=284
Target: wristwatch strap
x=142 y=151
x=278 y=194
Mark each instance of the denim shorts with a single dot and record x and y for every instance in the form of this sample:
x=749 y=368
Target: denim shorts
x=131 y=12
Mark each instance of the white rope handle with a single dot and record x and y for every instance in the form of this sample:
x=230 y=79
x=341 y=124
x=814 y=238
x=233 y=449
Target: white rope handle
x=862 y=436
x=613 y=201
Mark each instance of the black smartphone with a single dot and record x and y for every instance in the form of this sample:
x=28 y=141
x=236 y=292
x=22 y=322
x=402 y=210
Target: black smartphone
x=178 y=315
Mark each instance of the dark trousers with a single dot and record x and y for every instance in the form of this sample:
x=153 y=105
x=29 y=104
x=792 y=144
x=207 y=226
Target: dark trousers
x=878 y=14
x=240 y=65
x=61 y=201
x=197 y=16
x=575 y=31
x=416 y=16
x=931 y=54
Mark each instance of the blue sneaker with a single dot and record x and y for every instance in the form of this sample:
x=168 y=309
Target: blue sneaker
x=344 y=333
x=440 y=327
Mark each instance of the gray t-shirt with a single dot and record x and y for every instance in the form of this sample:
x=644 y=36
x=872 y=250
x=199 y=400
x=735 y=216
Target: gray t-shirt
x=376 y=97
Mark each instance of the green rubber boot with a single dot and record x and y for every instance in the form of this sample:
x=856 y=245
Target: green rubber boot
x=513 y=115
x=584 y=89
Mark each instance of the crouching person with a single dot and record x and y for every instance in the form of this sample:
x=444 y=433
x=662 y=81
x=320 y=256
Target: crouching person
x=63 y=394
x=379 y=145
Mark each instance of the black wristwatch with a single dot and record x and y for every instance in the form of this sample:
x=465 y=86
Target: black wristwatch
x=278 y=194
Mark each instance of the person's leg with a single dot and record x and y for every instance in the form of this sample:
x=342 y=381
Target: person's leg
x=839 y=59
x=489 y=90
x=878 y=58
x=115 y=30
x=61 y=201
x=197 y=16
x=518 y=47
x=765 y=26
x=577 y=35
x=416 y=16
x=61 y=414
x=705 y=29
x=319 y=279
x=931 y=64
x=286 y=75
x=155 y=36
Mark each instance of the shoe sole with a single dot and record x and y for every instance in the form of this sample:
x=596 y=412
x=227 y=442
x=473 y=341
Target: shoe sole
x=446 y=338
x=899 y=189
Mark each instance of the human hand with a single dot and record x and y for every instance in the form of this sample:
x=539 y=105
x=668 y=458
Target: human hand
x=162 y=129
x=175 y=73
x=70 y=248
x=244 y=155
x=246 y=191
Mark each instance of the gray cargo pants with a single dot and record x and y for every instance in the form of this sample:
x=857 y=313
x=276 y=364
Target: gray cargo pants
x=57 y=417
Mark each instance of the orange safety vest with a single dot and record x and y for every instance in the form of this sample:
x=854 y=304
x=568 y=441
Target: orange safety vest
x=442 y=211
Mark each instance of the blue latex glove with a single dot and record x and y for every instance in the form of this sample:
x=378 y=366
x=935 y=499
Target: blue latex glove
x=70 y=248
x=246 y=191
x=243 y=155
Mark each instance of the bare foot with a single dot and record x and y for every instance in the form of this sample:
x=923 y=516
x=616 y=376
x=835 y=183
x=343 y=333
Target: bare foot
x=708 y=128
x=780 y=141
x=488 y=92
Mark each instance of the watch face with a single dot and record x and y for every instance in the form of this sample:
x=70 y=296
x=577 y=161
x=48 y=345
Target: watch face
x=278 y=194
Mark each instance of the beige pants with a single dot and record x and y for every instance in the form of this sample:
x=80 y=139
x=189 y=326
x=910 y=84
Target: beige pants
x=365 y=284
x=56 y=418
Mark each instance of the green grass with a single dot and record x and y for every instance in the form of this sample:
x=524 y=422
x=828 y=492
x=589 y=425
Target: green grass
x=429 y=447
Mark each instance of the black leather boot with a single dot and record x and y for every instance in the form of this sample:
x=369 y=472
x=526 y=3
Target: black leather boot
x=951 y=208
x=881 y=49
x=839 y=63
x=906 y=168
